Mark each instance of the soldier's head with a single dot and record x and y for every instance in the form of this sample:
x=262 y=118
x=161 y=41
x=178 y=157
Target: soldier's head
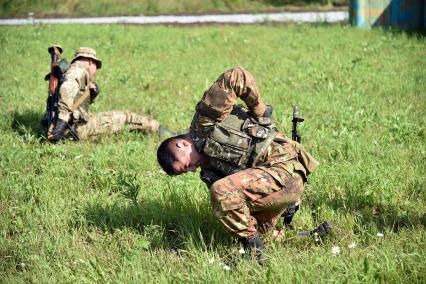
x=178 y=155
x=86 y=56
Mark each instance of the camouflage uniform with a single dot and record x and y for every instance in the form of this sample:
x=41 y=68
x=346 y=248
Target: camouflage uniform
x=248 y=193
x=88 y=124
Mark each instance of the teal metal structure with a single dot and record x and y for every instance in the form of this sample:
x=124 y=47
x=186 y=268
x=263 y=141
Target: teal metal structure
x=399 y=14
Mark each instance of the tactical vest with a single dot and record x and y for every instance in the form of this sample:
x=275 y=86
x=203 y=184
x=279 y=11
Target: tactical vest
x=241 y=141
x=238 y=142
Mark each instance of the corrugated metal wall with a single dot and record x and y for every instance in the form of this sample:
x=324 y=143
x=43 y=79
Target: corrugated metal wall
x=402 y=14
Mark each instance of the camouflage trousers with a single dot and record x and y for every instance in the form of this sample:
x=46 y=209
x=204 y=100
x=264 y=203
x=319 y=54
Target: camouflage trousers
x=115 y=121
x=251 y=200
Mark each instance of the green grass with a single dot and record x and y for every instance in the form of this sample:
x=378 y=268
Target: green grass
x=104 y=212
x=43 y=8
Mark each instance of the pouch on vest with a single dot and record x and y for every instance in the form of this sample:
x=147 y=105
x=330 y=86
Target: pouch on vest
x=227 y=144
x=262 y=130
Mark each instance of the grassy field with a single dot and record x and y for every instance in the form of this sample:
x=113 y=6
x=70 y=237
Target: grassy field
x=43 y=8
x=104 y=212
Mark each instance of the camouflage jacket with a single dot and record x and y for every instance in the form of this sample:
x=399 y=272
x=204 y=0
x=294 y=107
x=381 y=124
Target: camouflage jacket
x=217 y=110
x=75 y=84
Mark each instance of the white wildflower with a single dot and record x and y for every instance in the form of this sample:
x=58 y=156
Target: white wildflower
x=226 y=267
x=335 y=250
x=241 y=251
x=352 y=245
x=211 y=261
x=380 y=235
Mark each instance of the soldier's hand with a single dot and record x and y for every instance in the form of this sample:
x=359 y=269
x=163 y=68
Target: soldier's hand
x=94 y=91
x=58 y=132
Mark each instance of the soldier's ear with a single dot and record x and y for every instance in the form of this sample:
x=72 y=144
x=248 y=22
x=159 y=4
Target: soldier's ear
x=182 y=144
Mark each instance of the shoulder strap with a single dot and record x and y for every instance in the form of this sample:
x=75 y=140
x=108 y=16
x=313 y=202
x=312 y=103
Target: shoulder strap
x=261 y=147
x=83 y=97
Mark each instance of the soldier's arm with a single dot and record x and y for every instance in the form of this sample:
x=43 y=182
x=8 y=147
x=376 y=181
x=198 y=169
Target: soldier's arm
x=218 y=101
x=67 y=92
x=94 y=91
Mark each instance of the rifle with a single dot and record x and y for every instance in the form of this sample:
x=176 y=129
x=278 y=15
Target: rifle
x=324 y=228
x=55 y=52
x=296 y=119
x=290 y=211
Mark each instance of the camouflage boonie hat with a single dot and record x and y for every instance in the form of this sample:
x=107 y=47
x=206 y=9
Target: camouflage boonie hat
x=87 y=52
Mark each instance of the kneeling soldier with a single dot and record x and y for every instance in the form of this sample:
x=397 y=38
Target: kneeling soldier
x=254 y=173
x=77 y=92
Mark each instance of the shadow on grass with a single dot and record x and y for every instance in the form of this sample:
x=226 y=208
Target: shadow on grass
x=393 y=218
x=164 y=227
x=27 y=124
x=382 y=216
x=169 y=221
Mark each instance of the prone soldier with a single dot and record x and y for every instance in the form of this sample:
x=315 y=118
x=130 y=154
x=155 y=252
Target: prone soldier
x=77 y=92
x=254 y=173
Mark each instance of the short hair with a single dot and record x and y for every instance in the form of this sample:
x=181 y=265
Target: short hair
x=166 y=157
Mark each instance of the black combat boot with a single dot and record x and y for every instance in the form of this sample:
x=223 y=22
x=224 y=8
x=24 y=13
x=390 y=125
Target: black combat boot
x=254 y=245
x=288 y=216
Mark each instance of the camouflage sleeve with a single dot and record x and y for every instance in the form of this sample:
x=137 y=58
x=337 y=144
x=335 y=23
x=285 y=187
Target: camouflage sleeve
x=67 y=92
x=217 y=102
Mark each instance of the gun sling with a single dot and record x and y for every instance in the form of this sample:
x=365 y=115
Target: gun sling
x=81 y=99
